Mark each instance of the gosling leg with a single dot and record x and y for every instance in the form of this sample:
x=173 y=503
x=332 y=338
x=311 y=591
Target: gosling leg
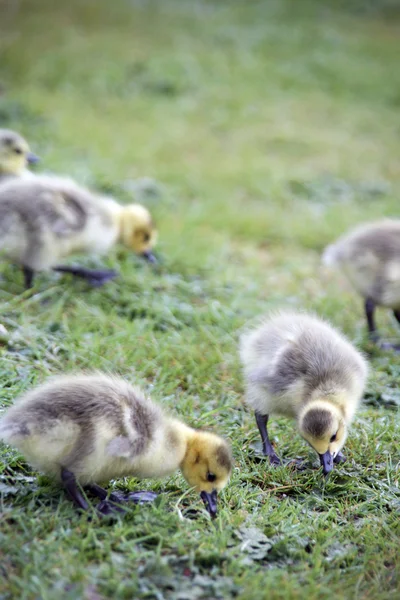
x=268 y=450
x=72 y=489
x=28 y=277
x=95 y=278
x=397 y=317
x=370 y=314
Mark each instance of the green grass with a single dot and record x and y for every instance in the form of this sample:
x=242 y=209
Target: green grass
x=268 y=128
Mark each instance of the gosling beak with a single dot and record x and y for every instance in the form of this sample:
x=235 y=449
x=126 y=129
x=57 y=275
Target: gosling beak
x=149 y=256
x=326 y=462
x=32 y=158
x=210 y=500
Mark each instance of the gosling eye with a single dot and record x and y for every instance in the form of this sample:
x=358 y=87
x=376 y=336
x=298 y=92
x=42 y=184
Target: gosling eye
x=17 y=150
x=146 y=237
x=333 y=438
x=211 y=476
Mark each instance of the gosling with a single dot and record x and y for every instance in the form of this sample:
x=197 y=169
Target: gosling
x=47 y=219
x=89 y=429
x=298 y=366
x=15 y=155
x=370 y=258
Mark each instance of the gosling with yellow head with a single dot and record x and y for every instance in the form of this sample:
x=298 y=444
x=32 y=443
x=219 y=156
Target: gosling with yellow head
x=47 y=219
x=299 y=366
x=88 y=429
x=15 y=155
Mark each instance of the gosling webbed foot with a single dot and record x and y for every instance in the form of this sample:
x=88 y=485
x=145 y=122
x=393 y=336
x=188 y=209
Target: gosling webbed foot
x=274 y=459
x=107 y=507
x=388 y=346
x=141 y=497
x=113 y=503
x=374 y=336
x=98 y=279
x=339 y=458
x=101 y=493
x=93 y=277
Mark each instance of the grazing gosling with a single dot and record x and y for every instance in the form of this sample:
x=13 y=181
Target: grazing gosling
x=298 y=366
x=46 y=219
x=15 y=155
x=370 y=257
x=93 y=428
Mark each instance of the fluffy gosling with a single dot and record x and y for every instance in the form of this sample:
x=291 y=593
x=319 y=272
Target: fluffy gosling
x=46 y=219
x=15 y=155
x=298 y=366
x=93 y=428
x=370 y=258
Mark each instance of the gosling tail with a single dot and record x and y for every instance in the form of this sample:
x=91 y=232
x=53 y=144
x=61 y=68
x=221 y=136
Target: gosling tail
x=11 y=430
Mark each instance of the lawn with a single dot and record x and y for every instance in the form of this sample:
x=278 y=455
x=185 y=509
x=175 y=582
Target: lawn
x=256 y=132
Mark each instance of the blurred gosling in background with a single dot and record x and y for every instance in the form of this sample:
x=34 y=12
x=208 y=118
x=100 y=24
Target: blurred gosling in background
x=46 y=219
x=370 y=257
x=15 y=156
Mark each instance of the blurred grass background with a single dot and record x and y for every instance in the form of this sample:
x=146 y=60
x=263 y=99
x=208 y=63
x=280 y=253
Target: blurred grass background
x=256 y=133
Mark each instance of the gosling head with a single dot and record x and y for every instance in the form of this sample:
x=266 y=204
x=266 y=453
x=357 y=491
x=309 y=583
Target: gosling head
x=15 y=155
x=207 y=466
x=322 y=425
x=137 y=230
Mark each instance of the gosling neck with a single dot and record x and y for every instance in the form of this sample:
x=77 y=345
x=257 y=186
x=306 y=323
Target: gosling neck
x=117 y=216
x=181 y=437
x=13 y=170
